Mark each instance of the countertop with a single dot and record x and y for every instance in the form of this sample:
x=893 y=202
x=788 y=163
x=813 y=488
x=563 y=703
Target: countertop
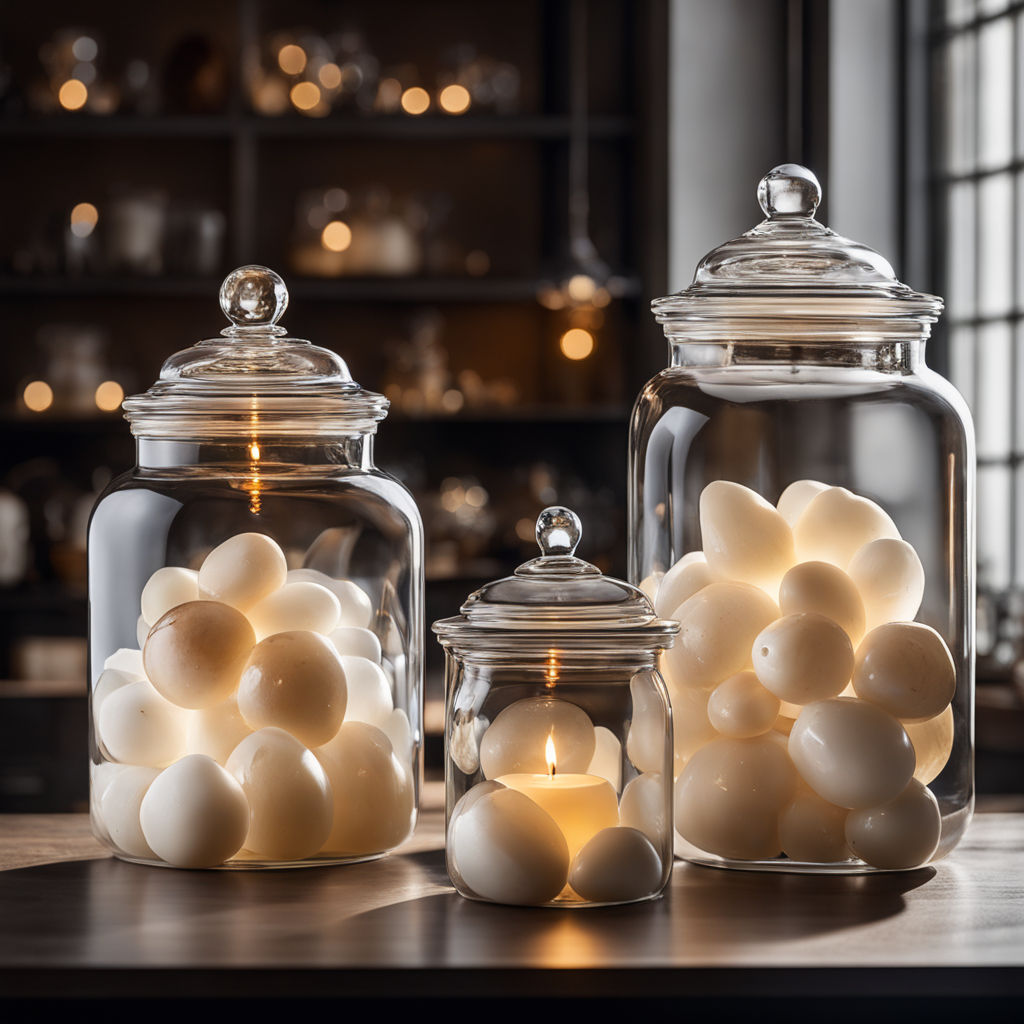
x=76 y=922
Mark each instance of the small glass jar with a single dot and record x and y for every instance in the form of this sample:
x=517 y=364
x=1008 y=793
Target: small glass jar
x=256 y=606
x=558 y=735
x=802 y=502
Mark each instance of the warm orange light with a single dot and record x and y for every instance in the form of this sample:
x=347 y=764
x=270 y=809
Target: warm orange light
x=581 y=287
x=336 y=236
x=37 y=396
x=549 y=754
x=109 y=396
x=254 y=452
x=84 y=217
x=305 y=95
x=415 y=100
x=452 y=400
x=330 y=76
x=576 y=343
x=291 y=59
x=551 y=671
x=72 y=94
x=454 y=99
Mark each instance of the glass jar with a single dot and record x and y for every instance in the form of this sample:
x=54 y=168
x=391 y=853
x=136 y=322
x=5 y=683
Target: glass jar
x=256 y=607
x=802 y=502
x=558 y=735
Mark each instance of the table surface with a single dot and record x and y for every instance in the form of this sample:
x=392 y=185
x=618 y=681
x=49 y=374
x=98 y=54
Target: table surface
x=75 y=920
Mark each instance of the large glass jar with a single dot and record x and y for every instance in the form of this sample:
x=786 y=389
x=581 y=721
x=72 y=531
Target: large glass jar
x=802 y=503
x=256 y=606
x=558 y=735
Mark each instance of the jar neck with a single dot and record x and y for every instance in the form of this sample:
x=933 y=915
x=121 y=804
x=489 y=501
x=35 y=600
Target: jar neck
x=899 y=356
x=264 y=455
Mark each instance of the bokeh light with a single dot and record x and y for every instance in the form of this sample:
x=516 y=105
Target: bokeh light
x=72 y=94
x=305 y=95
x=576 y=343
x=336 y=236
x=291 y=59
x=109 y=396
x=84 y=217
x=454 y=99
x=415 y=100
x=329 y=76
x=37 y=396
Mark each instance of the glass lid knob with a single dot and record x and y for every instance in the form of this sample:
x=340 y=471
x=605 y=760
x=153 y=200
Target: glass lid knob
x=253 y=298
x=789 y=190
x=558 y=531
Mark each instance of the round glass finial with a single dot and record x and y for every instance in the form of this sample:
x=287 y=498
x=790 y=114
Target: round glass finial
x=253 y=297
x=558 y=531
x=789 y=190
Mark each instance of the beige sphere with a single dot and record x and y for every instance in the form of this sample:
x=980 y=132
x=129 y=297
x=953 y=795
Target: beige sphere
x=906 y=669
x=729 y=795
x=824 y=588
x=356 y=609
x=646 y=805
x=216 y=731
x=744 y=537
x=851 y=753
x=650 y=583
x=195 y=653
x=243 y=570
x=299 y=605
x=398 y=729
x=741 y=707
x=681 y=582
x=890 y=578
x=795 y=498
x=717 y=627
x=617 y=865
x=120 y=805
x=607 y=760
x=836 y=523
x=166 y=589
x=136 y=725
x=803 y=658
x=648 y=737
x=356 y=642
x=294 y=681
x=691 y=728
x=110 y=680
x=127 y=660
x=933 y=742
x=369 y=692
x=374 y=799
x=903 y=833
x=516 y=739
x=291 y=806
x=813 y=830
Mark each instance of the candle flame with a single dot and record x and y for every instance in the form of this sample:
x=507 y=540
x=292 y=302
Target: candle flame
x=549 y=753
x=254 y=485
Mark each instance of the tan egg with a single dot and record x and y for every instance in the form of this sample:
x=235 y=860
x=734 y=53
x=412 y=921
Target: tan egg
x=836 y=523
x=243 y=570
x=353 y=641
x=127 y=660
x=795 y=498
x=356 y=609
x=741 y=707
x=505 y=848
x=138 y=726
x=650 y=583
x=516 y=739
x=681 y=582
x=194 y=815
x=617 y=865
x=294 y=681
x=374 y=801
x=744 y=537
x=903 y=833
x=813 y=830
x=120 y=809
x=648 y=736
x=216 y=731
x=607 y=760
x=933 y=742
x=729 y=795
x=298 y=605
x=718 y=625
x=369 y=692
x=291 y=805
x=851 y=753
x=826 y=589
x=646 y=804
x=166 y=589
x=890 y=578
x=803 y=658
x=906 y=669
x=195 y=653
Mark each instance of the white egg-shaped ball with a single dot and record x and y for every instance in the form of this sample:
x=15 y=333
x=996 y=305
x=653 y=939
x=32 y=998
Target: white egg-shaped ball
x=691 y=728
x=717 y=627
x=100 y=777
x=813 y=830
x=905 y=668
x=127 y=660
x=355 y=604
x=741 y=707
x=141 y=631
x=464 y=736
x=195 y=815
x=374 y=800
x=137 y=725
x=744 y=537
x=681 y=582
x=517 y=738
x=903 y=833
x=298 y=605
x=166 y=589
x=803 y=658
x=617 y=865
x=507 y=849
x=836 y=524
x=646 y=804
x=110 y=679
x=607 y=760
x=294 y=681
x=650 y=583
x=120 y=809
x=291 y=806
x=354 y=641
x=647 y=741
x=824 y=588
x=795 y=498
x=890 y=577
x=369 y=692
x=216 y=731
x=933 y=743
x=851 y=753
x=243 y=570
x=398 y=729
x=195 y=653
x=729 y=795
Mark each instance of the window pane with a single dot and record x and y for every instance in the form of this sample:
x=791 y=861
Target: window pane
x=992 y=6
x=992 y=413
x=993 y=526
x=960 y=255
x=995 y=238
x=960 y=106
x=995 y=102
x=959 y=11
x=1019 y=395
x=1020 y=84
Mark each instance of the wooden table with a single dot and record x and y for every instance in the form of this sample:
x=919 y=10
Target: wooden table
x=76 y=922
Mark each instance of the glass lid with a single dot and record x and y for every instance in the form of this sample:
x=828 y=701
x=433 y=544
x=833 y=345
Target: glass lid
x=561 y=594
x=791 y=266
x=254 y=376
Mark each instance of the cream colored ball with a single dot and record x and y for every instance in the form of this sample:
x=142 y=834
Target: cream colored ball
x=216 y=731
x=903 y=833
x=607 y=760
x=795 y=498
x=691 y=728
x=243 y=570
x=836 y=523
x=933 y=743
x=166 y=589
x=136 y=725
x=824 y=588
x=369 y=692
x=355 y=642
x=298 y=605
x=813 y=830
x=803 y=658
x=646 y=805
x=688 y=576
x=356 y=608
x=650 y=583
x=889 y=575
x=127 y=660
x=120 y=805
x=741 y=707
x=617 y=865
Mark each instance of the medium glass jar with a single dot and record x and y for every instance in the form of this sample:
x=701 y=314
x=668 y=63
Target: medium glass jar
x=558 y=735
x=256 y=606
x=802 y=503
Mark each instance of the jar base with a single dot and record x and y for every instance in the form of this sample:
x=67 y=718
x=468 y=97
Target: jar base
x=259 y=864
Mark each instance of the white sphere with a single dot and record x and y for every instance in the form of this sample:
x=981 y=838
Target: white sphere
x=354 y=641
x=195 y=815
x=166 y=589
x=616 y=866
x=110 y=680
x=291 y=805
x=744 y=537
x=298 y=605
x=216 y=731
x=890 y=578
x=681 y=582
x=903 y=833
x=741 y=707
x=836 y=523
x=137 y=725
x=141 y=631
x=120 y=805
x=294 y=681
x=649 y=585
x=607 y=760
x=813 y=830
x=356 y=607
x=127 y=660
x=243 y=570
x=794 y=499
x=398 y=729
x=691 y=728
x=803 y=658
x=851 y=753
x=646 y=805
x=824 y=588
x=648 y=736
x=933 y=742
x=369 y=692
